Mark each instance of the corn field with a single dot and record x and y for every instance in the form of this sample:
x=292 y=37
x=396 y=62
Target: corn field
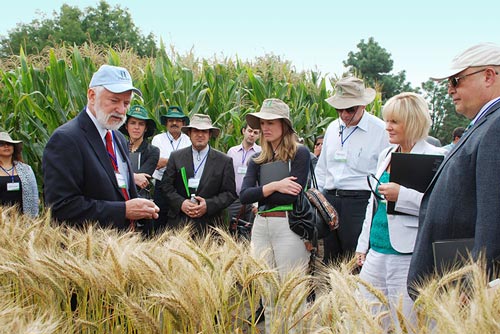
x=40 y=93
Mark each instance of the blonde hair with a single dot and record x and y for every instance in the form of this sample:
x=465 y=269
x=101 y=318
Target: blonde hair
x=411 y=110
x=285 y=151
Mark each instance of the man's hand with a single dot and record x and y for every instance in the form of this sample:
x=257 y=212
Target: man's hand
x=194 y=210
x=140 y=208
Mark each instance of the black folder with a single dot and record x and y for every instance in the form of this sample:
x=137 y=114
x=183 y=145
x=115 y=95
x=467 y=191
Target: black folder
x=413 y=171
x=451 y=253
x=273 y=171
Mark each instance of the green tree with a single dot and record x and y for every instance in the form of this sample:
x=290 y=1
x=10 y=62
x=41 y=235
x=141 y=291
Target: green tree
x=101 y=25
x=374 y=64
x=443 y=114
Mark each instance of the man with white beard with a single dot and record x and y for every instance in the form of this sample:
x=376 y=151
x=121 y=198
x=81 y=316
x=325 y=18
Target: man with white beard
x=86 y=170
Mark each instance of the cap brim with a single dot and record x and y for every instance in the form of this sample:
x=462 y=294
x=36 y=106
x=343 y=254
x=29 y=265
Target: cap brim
x=215 y=131
x=253 y=119
x=347 y=102
x=449 y=73
x=164 y=118
x=120 y=88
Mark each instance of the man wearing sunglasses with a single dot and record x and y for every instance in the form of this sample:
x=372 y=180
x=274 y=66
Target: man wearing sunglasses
x=351 y=147
x=462 y=200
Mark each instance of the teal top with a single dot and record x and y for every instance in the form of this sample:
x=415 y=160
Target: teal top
x=379 y=232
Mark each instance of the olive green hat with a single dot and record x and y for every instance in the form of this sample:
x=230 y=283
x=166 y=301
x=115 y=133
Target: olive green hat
x=140 y=112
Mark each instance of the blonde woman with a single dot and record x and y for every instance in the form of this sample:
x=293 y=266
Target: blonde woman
x=386 y=242
x=271 y=234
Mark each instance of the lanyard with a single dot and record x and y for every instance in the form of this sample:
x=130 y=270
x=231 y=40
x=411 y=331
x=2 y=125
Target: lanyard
x=342 y=140
x=244 y=154
x=172 y=142
x=201 y=163
x=7 y=172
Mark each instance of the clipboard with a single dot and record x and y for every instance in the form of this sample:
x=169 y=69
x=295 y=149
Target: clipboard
x=451 y=253
x=273 y=171
x=413 y=171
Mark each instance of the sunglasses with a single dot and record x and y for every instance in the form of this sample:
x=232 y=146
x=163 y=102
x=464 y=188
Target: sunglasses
x=374 y=192
x=4 y=143
x=350 y=110
x=317 y=144
x=453 y=81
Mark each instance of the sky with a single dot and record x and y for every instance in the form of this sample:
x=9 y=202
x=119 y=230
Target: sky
x=422 y=36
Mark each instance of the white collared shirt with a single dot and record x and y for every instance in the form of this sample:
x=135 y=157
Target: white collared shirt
x=167 y=144
x=240 y=161
x=360 y=148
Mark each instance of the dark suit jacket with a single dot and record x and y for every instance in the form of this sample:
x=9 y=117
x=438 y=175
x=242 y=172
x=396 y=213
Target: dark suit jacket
x=217 y=186
x=79 y=181
x=462 y=200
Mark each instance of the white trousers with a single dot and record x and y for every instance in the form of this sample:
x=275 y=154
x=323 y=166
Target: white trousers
x=388 y=273
x=283 y=250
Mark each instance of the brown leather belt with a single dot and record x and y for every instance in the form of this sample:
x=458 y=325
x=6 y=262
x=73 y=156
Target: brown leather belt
x=273 y=214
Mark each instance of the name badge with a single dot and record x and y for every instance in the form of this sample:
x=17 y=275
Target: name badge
x=13 y=186
x=242 y=170
x=121 y=181
x=193 y=183
x=340 y=156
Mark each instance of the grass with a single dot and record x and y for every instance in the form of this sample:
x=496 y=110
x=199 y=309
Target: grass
x=58 y=280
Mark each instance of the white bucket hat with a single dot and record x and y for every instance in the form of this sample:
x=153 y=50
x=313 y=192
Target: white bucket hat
x=350 y=92
x=483 y=54
x=201 y=122
x=271 y=109
x=4 y=136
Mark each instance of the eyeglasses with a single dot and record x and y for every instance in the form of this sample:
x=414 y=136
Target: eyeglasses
x=453 y=81
x=350 y=110
x=374 y=192
x=317 y=144
x=4 y=143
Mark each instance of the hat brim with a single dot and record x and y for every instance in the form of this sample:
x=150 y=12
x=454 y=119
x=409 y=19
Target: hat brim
x=215 y=131
x=120 y=88
x=150 y=126
x=340 y=102
x=164 y=118
x=253 y=119
x=449 y=73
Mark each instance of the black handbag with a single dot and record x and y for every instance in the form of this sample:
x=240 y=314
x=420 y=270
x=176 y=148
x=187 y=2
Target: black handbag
x=306 y=220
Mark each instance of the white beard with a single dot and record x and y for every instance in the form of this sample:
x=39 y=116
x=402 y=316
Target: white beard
x=103 y=118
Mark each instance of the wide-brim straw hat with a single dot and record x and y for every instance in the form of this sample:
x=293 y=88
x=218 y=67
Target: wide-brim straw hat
x=174 y=112
x=140 y=112
x=350 y=92
x=483 y=54
x=271 y=109
x=4 y=136
x=201 y=122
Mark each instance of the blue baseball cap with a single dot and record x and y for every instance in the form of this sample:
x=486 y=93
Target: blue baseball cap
x=113 y=78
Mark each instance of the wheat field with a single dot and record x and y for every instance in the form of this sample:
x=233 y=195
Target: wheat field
x=63 y=280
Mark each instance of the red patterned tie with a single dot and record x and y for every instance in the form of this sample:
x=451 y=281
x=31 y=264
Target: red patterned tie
x=114 y=162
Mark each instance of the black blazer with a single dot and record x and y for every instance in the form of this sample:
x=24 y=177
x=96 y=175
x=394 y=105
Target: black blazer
x=217 y=186
x=79 y=180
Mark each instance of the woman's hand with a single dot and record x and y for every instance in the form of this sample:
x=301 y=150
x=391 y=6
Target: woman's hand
x=390 y=191
x=289 y=186
x=360 y=259
x=285 y=186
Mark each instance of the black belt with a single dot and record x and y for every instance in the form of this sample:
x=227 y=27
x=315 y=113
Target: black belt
x=348 y=193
